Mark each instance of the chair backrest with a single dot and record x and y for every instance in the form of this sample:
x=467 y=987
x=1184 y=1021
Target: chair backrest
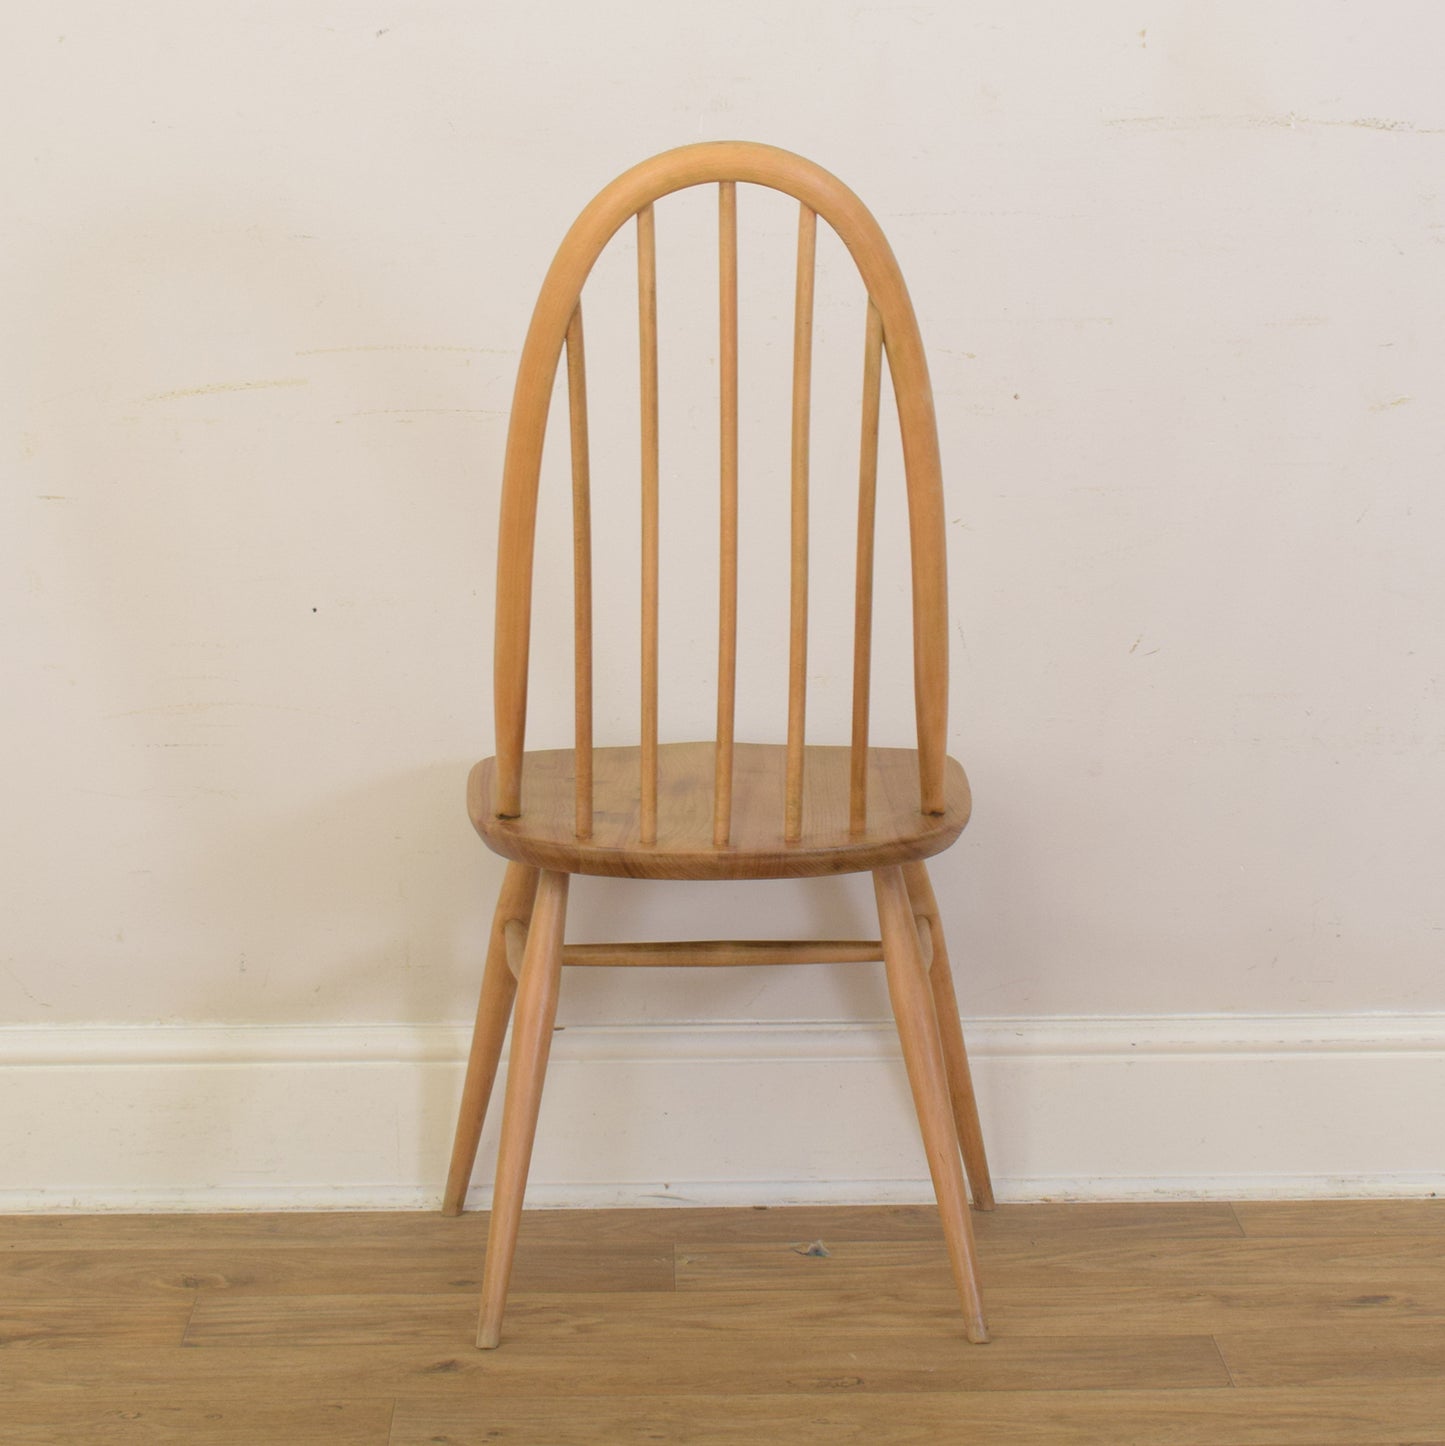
x=557 y=321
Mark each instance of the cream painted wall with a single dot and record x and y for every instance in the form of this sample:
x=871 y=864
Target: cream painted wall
x=266 y=269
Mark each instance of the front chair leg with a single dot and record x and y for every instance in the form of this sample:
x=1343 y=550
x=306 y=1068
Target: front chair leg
x=519 y=889
x=912 y=1001
x=526 y=1069
x=950 y=1034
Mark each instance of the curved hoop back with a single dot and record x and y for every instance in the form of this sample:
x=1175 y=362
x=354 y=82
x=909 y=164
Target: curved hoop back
x=892 y=325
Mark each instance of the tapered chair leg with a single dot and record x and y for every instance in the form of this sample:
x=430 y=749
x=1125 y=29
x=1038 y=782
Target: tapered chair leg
x=913 y=1009
x=536 y=1011
x=499 y=988
x=950 y=1034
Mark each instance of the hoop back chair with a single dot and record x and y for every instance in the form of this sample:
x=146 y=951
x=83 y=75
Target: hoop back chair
x=720 y=809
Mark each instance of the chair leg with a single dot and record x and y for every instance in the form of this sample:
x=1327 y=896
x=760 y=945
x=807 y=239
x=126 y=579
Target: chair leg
x=923 y=1055
x=531 y=1042
x=950 y=1033
x=499 y=988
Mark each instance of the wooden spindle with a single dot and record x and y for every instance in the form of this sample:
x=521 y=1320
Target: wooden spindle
x=727 y=641
x=863 y=601
x=798 y=617
x=581 y=568
x=647 y=325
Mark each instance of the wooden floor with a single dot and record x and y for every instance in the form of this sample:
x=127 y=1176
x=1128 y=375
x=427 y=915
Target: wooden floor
x=1248 y=1325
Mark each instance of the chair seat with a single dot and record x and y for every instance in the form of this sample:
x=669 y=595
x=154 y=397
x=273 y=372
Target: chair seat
x=544 y=836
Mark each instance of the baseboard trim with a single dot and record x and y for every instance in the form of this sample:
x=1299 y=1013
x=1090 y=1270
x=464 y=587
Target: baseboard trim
x=206 y=1117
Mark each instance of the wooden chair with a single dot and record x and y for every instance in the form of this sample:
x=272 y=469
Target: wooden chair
x=720 y=809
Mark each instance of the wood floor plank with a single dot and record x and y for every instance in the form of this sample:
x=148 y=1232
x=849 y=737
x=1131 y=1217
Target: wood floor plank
x=1342 y=1217
x=275 y=1230
x=1351 y=1416
x=299 y=1322
x=1384 y=1351
x=1199 y=1287
x=102 y=1420
x=67 y=1323
x=372 y=1268
x=1203 y=1309
x=570 y=1364
x=1358 y=1262
x=358 y=1320
x=1161 y=1324
x=1134 y=1219
x=307 y=1230
x=1113 y=1306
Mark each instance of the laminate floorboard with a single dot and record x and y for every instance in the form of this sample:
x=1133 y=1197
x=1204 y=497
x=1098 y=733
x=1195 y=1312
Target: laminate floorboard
x=144 y=1272
x=1195 y=1324
x=1327 y=1417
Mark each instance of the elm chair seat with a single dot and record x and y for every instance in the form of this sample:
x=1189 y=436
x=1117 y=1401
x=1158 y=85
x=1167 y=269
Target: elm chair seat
x=544 y=835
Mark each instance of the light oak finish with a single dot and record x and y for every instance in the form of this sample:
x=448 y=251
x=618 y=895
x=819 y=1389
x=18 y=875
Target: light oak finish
x=494 y=1009
x=1017 y=1226
x=720 y=808
x=626 y=197
x=516 y=937
x=201 y=1422
x=912 y=1001
x=531 y=1043
x=708 y=953
x=1043 y=1417
x=545 y=836
x=581 y=565
x=647 y=347
x=334 y=1345
x=396 y=1264
x=234 y=1330
x=863 y=599
x=798 y=537
x=727 y=626
x=1342 y=1217
x=955 y=1053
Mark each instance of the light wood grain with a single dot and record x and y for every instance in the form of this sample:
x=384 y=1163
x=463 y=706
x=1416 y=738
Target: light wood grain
x=531 y=1043
x=1336 y=1355
x=400 y=1266
x=1224 y=1274
x=515 y=935
x=647 y=347
x=798 y=524
x=581 y=566
x=950 y=1032
x=61 y=1323
x=1035 y=1226
x=545 y=837
x=863 y=568
x=664 y=1355
x=111 y=1419
x=913 y=1012
x=633 y=195
x=727 y=646
x=494 y=1010
x=1364 y=1416
x=697 y=811
x=1113 y=1323
x=715 y=953
x=1342 y=1217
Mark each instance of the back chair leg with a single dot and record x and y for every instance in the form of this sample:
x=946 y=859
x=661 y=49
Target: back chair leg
x=499 y=988
x=950 y=1033
x=913 y=1009
x=527 y=1068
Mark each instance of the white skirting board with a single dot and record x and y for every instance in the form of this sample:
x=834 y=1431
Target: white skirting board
x=360 y=1117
